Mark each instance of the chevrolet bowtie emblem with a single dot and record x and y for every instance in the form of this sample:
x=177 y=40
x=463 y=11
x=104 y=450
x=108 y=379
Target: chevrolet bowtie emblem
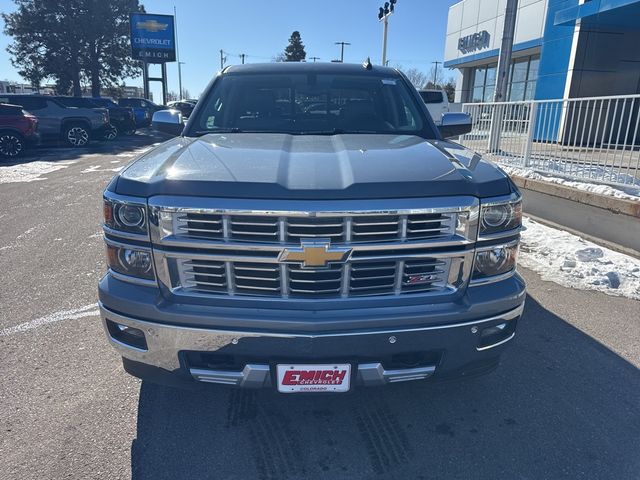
x=315 y=254
x=152 y=26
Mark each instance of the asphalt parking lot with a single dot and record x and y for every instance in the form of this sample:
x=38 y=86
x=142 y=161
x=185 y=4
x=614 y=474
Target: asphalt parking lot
x=564 y=403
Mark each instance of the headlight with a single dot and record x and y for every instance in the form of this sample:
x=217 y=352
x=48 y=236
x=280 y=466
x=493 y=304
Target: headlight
x=495 y=261
x=130 y=261
x=125 y=216
x=500 y=216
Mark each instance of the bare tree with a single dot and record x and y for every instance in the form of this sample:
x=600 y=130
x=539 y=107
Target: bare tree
x=417 y=77
x=436 y=77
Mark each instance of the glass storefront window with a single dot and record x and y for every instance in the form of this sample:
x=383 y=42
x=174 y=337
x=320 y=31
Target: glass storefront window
x=519 y=70
x=479 y=77
x=491 y=75
x=478 y=94
x=516 y=93
x=522 y=80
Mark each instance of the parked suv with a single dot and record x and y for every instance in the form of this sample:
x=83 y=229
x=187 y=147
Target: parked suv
x=310 y=250
x=143 y=109
x=437 y=103
x=18 y=129
x=75 y=126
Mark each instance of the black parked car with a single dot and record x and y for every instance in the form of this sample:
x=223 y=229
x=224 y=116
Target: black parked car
x=121 y=117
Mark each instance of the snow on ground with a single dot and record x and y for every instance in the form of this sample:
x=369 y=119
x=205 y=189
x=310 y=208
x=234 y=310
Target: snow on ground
x=29 y=172
x=571 y=261
x=629 y=193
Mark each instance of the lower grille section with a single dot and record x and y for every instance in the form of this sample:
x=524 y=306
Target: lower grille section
x=358 y=278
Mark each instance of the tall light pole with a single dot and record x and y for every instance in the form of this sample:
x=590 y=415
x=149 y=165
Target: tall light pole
x=342 y=44
x=222 y=59
x=180 y=79
x=175 y=19
x=435 y=74
x=506 y=48
x=383 y=15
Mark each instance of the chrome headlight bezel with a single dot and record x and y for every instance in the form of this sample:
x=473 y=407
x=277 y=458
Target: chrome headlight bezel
x=125 y=216
x=500 y=217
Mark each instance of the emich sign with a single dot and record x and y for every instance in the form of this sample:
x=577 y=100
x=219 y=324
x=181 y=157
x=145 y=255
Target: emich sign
x=152 y=38
x=474 y=42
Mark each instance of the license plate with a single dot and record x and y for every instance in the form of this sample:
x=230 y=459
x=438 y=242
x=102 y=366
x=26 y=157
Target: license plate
x=314 y=378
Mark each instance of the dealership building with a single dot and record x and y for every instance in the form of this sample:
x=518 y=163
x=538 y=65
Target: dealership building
x=561 y=49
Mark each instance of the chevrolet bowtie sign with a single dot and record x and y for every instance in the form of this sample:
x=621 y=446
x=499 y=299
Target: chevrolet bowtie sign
x=152 y=38
x=315 y=254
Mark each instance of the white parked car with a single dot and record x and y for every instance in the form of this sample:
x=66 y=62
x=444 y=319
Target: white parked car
x=437 y=103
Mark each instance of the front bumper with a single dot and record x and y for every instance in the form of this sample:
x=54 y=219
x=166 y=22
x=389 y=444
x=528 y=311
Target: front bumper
x=246 y=357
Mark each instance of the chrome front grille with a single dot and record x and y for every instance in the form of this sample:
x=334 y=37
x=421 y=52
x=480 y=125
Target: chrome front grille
x=210 y=247
x=353 y=229
x=339 y=280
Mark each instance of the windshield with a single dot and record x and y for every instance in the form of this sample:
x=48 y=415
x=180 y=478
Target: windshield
x=431 y=96
x=310 y=103
x=104 y=102
x=76 y=102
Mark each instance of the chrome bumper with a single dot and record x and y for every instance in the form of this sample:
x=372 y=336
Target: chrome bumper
x=165 y=342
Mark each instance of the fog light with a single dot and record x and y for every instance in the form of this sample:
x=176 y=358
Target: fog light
x=133 y=337
x=494 y=335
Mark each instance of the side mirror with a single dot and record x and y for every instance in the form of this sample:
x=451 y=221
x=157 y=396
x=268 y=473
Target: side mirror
x=455 y=124
x=168 y=121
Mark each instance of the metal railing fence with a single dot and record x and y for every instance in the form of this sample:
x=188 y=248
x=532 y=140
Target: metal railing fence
x=594 y=139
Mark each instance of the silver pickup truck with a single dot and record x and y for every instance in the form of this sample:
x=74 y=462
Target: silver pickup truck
x=310 y=230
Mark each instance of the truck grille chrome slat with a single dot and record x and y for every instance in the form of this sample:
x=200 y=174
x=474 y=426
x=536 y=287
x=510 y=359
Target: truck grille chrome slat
x=216 y=252
x=359 y=229
x=363 y=278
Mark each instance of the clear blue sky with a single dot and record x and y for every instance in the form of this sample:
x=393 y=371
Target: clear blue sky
x=261 y=28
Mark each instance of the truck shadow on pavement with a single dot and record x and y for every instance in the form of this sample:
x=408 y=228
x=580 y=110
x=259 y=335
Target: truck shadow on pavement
x=561 y=405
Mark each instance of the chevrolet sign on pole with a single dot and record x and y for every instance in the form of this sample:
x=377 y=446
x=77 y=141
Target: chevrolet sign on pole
x=152 y=38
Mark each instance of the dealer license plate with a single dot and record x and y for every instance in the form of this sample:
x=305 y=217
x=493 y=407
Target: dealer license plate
x=314 y=378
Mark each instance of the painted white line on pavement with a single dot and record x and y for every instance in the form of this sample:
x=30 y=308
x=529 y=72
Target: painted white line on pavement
x=73 y=314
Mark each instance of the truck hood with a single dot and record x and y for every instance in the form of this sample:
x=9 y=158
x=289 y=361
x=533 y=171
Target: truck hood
x=264 y=165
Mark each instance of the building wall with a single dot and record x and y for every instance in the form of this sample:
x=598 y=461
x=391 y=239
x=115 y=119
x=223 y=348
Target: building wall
x=607 y=60
x=473 y=16
x=555 y=54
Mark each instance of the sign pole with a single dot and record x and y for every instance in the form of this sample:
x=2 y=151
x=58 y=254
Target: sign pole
x=164 y=83
x=145 y=79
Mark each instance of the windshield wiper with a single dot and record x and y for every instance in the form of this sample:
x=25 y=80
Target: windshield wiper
x=219 y=130
x=337 y=131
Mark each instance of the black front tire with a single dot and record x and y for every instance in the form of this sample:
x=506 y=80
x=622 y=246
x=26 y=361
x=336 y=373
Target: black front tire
x=110 y=133
x=11 y=145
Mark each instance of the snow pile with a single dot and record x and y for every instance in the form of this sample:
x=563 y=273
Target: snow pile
x=571 y=261
x=630 y=193
x=29 y=172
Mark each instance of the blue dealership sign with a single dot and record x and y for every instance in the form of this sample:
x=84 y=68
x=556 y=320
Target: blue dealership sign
x=152 y=38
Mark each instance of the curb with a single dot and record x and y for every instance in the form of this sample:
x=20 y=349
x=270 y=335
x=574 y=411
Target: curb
x=612 y=222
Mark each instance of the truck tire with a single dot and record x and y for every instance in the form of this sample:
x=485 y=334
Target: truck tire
x=110 y=133
x=11 y=144
x=76 y=134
